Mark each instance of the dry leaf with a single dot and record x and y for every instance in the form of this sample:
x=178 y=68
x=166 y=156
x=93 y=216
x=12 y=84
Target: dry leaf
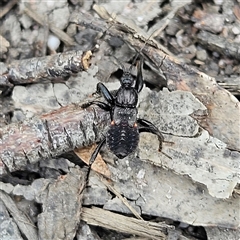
x=99 y=165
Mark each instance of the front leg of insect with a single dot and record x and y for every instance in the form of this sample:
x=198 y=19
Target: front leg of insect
x=102 y=90
x=139 y=79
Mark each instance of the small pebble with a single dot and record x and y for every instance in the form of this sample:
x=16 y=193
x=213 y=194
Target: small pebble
x=191 y=49
x=218 y=2
x=53 y=42
x=214 y=66
x=202 y=55
x=172 y=29
x=228 y=70
x=236 y=30
x=140 y=18
x=221 y=63
x=198 y=62
x=211 y=22
x=213 y=69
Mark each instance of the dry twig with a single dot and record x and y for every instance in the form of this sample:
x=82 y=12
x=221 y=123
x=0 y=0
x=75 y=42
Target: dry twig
x=99 y=217
x=49 y=135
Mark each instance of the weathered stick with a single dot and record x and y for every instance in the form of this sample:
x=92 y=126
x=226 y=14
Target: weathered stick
x=219 y=44
x=100 y=217
x=49 y=135
x=57 y=67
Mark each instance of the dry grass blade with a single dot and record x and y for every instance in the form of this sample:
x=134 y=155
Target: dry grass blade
x=58 y=32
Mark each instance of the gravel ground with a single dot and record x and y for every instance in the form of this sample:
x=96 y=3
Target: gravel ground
x=53 y=54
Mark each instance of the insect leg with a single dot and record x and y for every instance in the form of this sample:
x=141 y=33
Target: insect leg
x=147 y=126
x=96 y=151
x=102 y=105
x=94 y=155
x=139 y=80
x=102 y=89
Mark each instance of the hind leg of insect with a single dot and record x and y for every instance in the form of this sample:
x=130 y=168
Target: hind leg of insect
x=146 y=126
x=94 y=155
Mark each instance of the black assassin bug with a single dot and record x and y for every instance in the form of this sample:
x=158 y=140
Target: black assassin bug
x=122 y=136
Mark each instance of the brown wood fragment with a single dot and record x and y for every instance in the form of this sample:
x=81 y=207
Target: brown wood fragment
x=57 y=67
x=85 y=59
x=100 y=217
x=50 y=135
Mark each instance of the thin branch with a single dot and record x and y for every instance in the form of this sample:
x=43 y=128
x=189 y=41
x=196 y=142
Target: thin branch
x=57 y=67
x=49 y=135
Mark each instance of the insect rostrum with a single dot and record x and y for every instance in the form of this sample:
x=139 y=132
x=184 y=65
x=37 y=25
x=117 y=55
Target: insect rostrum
x=122 y=136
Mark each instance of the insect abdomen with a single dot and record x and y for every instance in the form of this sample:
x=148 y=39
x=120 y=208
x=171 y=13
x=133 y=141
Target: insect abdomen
x=122 y=139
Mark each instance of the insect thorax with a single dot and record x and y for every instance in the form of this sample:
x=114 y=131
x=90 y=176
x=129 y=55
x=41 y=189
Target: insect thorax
x=125 y=115
x=126 y=97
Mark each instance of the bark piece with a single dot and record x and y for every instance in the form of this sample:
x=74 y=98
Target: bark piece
x=193 y=152
x=160 y=192
x=61 y=206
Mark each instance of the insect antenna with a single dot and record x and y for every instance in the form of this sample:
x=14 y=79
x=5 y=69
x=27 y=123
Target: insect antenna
x=139 y=52
x=120 y=63
x=97 y=45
